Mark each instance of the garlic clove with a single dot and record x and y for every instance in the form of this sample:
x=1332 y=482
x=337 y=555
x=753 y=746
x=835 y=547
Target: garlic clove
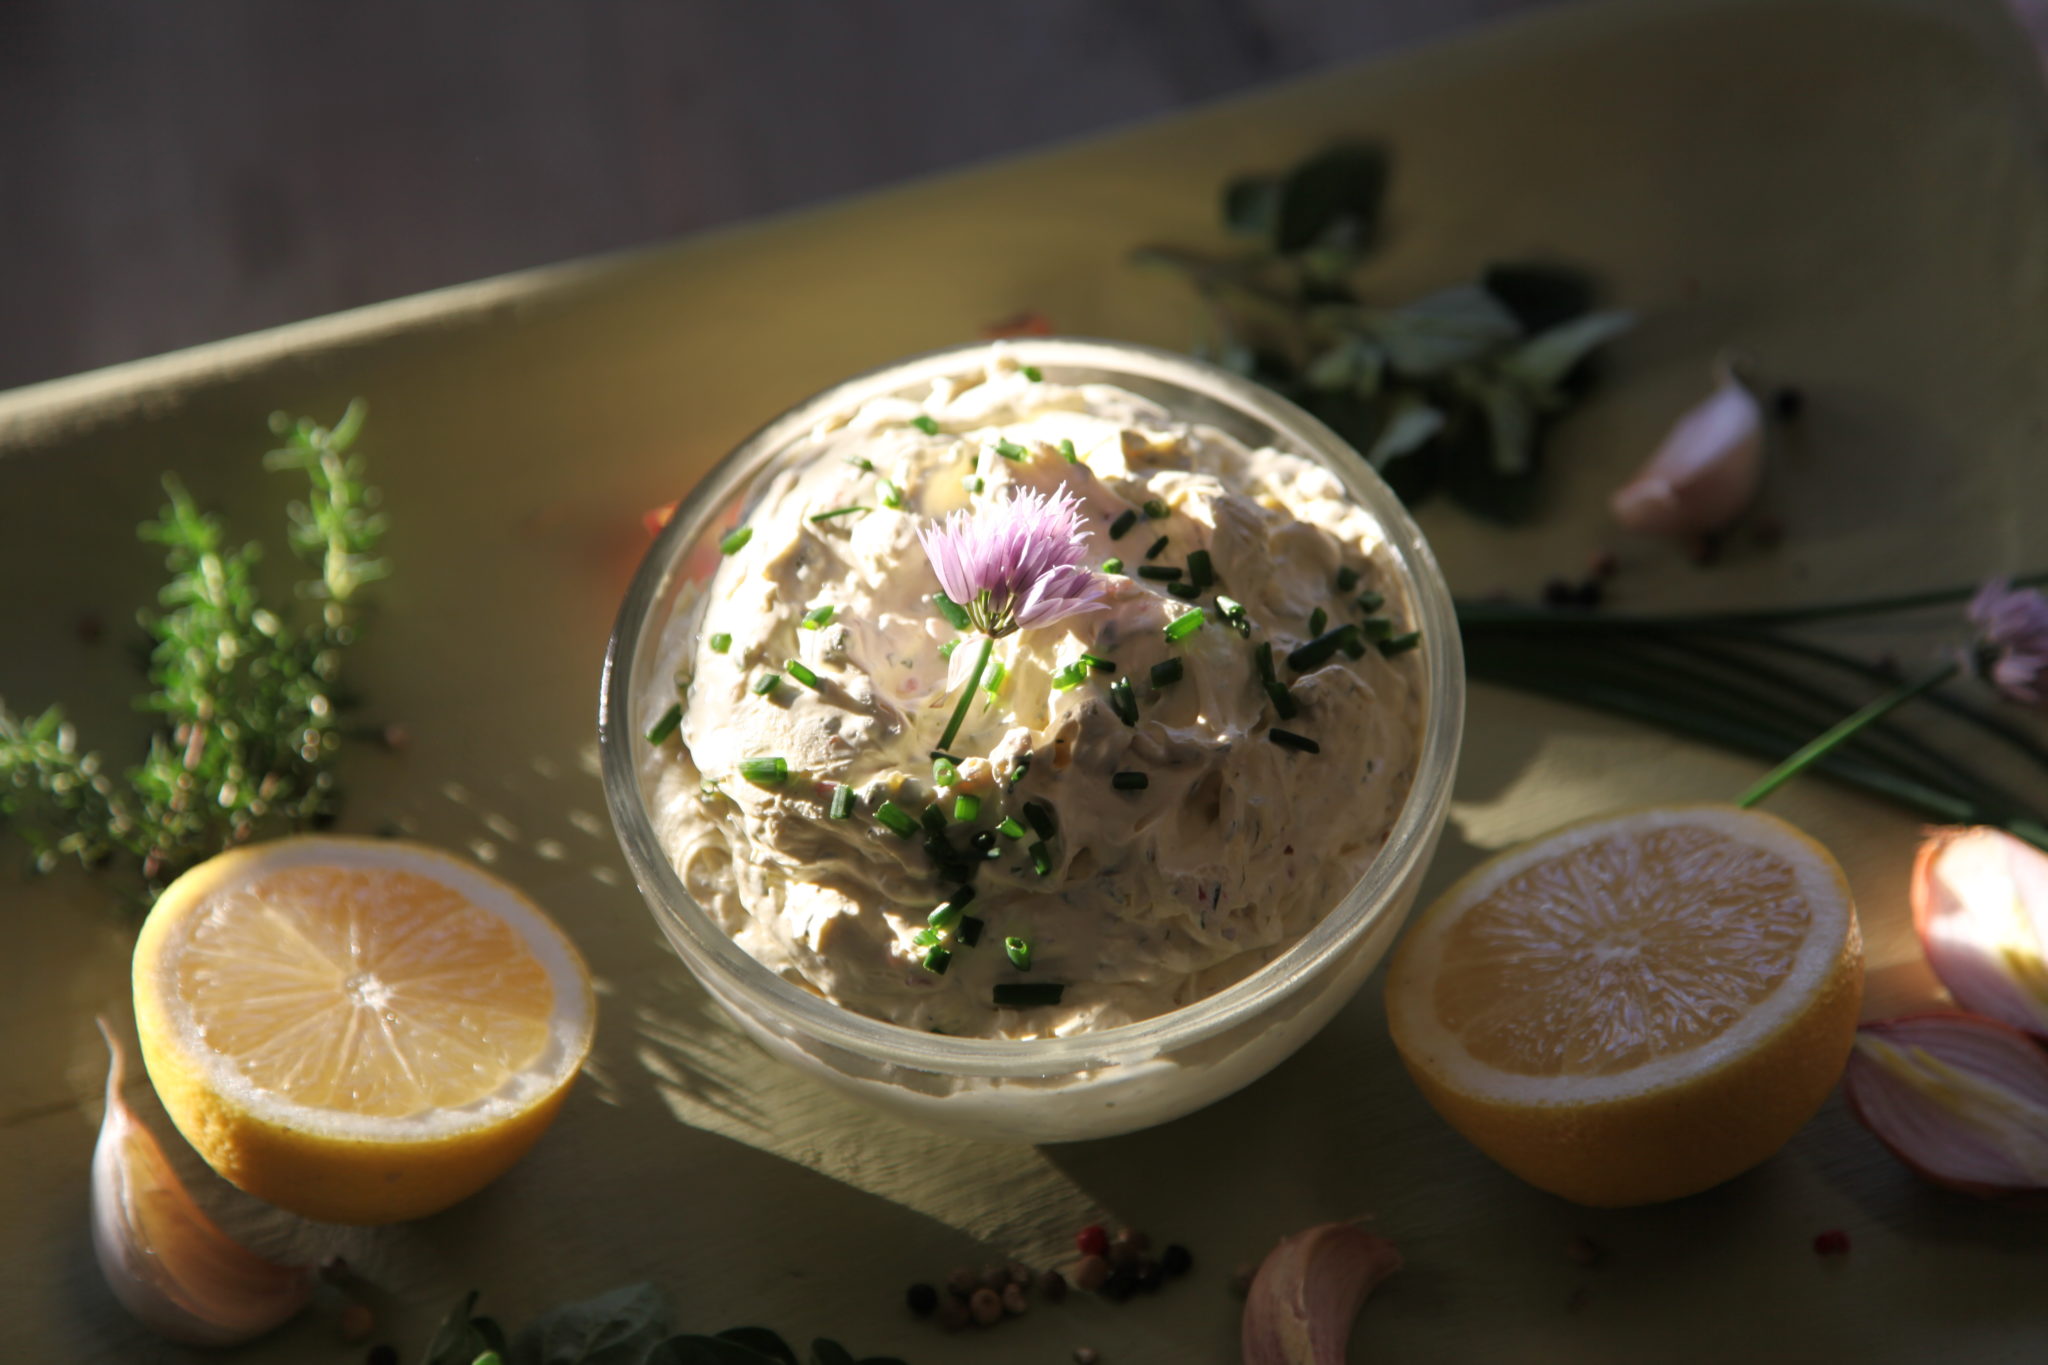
x=1309 y=1290
x=1705 y=472
x=1960 y=1099
x=168 y=1263
x=1980 y=902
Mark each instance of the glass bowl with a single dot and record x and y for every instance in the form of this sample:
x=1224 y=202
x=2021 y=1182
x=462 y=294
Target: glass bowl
x=1088 y=1085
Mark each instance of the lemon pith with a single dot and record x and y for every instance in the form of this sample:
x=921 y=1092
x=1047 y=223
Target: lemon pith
x=1637 y=1007
x=360 y=1031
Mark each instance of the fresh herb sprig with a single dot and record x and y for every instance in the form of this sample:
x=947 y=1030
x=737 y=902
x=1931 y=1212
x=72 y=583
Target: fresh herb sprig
x=1454 y=391
x=249 y=697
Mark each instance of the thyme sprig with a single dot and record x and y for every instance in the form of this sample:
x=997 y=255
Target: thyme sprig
x=248 y=695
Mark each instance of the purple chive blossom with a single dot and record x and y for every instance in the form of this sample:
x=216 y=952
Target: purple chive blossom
x=2012 y=640
x=1017 y=563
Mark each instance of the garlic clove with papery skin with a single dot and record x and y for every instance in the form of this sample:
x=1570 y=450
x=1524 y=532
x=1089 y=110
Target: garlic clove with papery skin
x=1308 y=1292
x=1706 y=471
x=1980 y=902
x=1960 y=1099
x=168 y=1263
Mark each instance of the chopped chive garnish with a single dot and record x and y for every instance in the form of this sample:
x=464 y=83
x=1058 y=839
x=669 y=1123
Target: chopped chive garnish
x=966 y=807
x=1400 y=644
x=892 y=496
x=720 y=643
x=937 y=960
x=801 y=671
x=817 y=618
x=944 y=918
x=1287 y=739
x=1201 y=569
x=944 y=772
x=1022 y=767
x=1317 y=619
x=1112 y=565
x=1262 y=655
x=1157 y=547
x=767 y=683
x=1123 y=702
x=962 y=894
x=1184 y=625
x=1317 y=652
x=925 y=938
x=1353 y=645
x=1370 y=602
x=955 y=614
x=969 y=932
x=925 y=424
x=1011 y=828
x=1160 y=573
x=765 y=772
x=1123 y=523
x=984 y=843
x=666 y=726
x=975 y=485
x=839 y=512
x=842 y=802
x=1028 y=994
x=1098 y=663
x=1041 y=817
x=1283 y=700
x=1347 y=578
x=947 y=647
x=1041 y=858
x=1186 y=592
x=1167 y=672
x=1376 y=628
x=1010 y=450
x=1033 y=373
x=736 y=540
x=1067 y=449
x=862 y=463
x=1234 y=615
x=1018 y=950
x=934 y=819
x=897 y=819
x=1129 y=782
x=1070 y=677
x=998 y=672
x=1157 y=510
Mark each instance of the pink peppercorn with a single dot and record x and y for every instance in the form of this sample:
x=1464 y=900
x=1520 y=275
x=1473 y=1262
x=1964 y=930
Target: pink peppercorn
x=1833 y=1242
x=1092 y=1240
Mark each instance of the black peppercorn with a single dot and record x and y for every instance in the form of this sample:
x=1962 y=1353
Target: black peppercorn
x=1149 y=1276
x=1176 y=1261
x=1120 y=1285
x=922 y=1299
x=382 y=1355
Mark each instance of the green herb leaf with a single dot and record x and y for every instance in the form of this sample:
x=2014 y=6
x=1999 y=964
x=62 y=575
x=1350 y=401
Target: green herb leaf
x=1451 y=327
x=1251 y=205
x=1541 y=363
x=838 y=512
x=925 y=424
x=1336 y=192
x=842 y=802
x=1018 y=950
x=1201 y=569
x=1541 y=295
x=896 y=819
x=616 y=1328
x=767 y=683
x=1034 y=374
x=720 y=643
x=736 y=540
x=1167 y=672
x=1410 y=423
x=1124 y=522
x=801 y=671
x=955 y=614
x=1067 y=449
x=1010 y=450
x=936 y=961
x=765 y=772
x=1010 y=828
x=1112 y=565
x=666 y=726
x=1184 y=625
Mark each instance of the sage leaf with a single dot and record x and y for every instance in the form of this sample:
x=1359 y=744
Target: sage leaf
x=1451 y=327
x=1352 y=364
x=762 y=1340
x=827 y=1352
x=1511 y=423
x=697 y=1350
x=1344 y=185
x=1541 y=363
x=461 y=1338
x=1251 y=205
x=616 y=1328
x=1540 y=294
x=1411 y=422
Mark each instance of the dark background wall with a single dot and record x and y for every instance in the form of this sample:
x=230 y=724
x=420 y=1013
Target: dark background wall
x=174 y=172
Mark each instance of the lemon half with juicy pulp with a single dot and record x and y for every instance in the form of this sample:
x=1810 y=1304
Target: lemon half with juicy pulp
x=358 y=1030
x=1637 y=1007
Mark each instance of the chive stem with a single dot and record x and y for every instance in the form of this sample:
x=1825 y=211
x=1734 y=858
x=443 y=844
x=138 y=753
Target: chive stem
x=967 y=692
x=666 y=726
x=1819 y=746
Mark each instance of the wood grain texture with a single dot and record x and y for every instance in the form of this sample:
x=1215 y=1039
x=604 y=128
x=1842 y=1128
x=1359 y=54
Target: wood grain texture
x=1850 y=191
x=173 y=174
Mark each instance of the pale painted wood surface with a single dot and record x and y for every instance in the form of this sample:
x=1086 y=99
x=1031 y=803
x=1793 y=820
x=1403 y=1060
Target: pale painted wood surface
x=1851 y=192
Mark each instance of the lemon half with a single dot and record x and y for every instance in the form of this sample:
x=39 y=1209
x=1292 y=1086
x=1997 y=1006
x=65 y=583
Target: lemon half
x=358 y=1030
x=1637 y=1007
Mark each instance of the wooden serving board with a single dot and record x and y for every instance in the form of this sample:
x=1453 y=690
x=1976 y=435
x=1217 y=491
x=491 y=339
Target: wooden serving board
x=1851 y=193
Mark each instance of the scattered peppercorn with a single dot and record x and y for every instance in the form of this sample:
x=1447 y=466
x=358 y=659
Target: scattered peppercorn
x=1176 y=1260
x=954 y=1315
x=1020 y=1273
x=1833 y=1242
x=961 y=1282
x=1014 y=1302
x=921 y=1299
x=356 y=1322
x=1147 y=1275
x=995 y=1276
x=1788 y=403
x=1583 y=1250
x=1086 y=1355
x=986 y=1307
x=1052 y=1286
x=1120 y=1285
x=1092 y=1273
x=1557 y=593
x=1092 y=1240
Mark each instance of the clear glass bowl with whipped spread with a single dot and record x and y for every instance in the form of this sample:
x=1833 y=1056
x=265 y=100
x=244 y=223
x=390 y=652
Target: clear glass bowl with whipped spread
x=1172 y=834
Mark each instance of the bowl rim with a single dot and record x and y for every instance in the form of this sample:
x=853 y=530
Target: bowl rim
x=727 y=970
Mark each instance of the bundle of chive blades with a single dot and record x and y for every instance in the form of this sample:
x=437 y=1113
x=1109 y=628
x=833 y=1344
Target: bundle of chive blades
x=247 y=697
x=1760 y=683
